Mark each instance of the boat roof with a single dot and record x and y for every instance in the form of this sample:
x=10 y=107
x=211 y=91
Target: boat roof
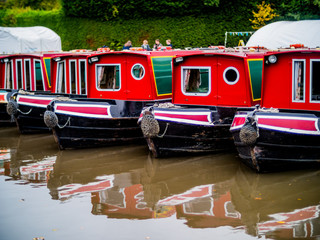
x=284 y=33
x=226 y=52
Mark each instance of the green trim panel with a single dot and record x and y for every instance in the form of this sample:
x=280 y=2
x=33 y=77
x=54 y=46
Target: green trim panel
x=47 y=64
x=163 y=74
x=255 y=71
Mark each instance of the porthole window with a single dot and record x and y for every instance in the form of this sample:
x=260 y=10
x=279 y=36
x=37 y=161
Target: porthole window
x=137 y=71
x=231 y=75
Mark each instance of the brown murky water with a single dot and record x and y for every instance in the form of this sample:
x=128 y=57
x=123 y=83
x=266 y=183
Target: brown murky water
x=123 y=193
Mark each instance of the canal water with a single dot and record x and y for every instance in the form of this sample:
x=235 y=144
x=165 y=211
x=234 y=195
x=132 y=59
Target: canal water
x=124 y=193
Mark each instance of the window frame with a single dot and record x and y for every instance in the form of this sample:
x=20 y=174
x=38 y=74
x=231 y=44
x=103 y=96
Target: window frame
x=75 y=76
x=226 y=80
x=85 y=77
x=58 y=84
x=6 y=75
x=182 y=80
x=293 y=81
x=25 y=74
x=96 y=77
x=35 y=74
x=144 y=71
x=311 y=79
x=21 y=73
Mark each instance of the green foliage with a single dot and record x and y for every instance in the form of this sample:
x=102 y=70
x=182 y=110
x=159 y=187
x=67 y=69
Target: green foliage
x=298 y=9
x=33 y=4
x=110 y=9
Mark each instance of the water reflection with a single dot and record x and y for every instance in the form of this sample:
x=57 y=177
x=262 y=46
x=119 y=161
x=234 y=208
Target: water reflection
x=278 y=205
x=29 y=158
x=206 y=191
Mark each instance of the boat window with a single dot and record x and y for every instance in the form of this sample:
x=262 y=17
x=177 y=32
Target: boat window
x=73 y=76
x=231 y=75
x=298 y=80
x=8 y=76
x=19 y=74
x=83 y=78
x=196 y=81
x=315 y=83
x=137 y=71
x=38 y=75
x=108 y=77
x=27 y=74
x=61 y=79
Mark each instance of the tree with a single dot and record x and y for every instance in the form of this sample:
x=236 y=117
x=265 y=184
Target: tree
x=265 y=13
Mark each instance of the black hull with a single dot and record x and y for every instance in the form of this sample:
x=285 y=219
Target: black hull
x=84 y=132
x=31 y=122
x=185 y=130
x=29 y=117
x=277 y=151
x=183 y=139
x=5 y=118
x=91 y=123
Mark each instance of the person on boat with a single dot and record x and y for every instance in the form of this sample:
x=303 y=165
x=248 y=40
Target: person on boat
x=157 y=44
x=127 y=45
x=168 y=42
x=145 y=45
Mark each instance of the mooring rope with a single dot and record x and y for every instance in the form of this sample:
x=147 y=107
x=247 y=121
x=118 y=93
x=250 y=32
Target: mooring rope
x=162 y=135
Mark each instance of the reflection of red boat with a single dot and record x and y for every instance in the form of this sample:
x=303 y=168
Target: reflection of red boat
x=127 y=203
x=208 y=87
x=203 y=207
x=289 y=224
x=270 y=139
x=278 y=205
x=100 y=184
x=37 y=172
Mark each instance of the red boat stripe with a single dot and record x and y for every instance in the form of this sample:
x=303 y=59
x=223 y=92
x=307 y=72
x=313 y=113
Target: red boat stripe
x=85 y=110
x=203 y=118
x=34 y=100
x=237 y=121
x=294 y=123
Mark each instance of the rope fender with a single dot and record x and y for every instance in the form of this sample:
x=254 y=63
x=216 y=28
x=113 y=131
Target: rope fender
x=12 y=107
x=249 y=132
x=50 y=119
x=149 y=126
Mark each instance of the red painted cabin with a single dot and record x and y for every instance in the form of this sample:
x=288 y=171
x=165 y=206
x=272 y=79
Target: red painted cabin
x=293 y=82
x=140 y=75
x=22 y=71
x=227 y=79
x=68 y=74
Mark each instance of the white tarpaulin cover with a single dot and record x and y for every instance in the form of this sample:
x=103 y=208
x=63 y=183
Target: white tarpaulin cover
x=284 y=33
x=28 y=39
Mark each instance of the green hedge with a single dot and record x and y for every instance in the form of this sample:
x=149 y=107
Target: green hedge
x=83 y=33
x=196 y=30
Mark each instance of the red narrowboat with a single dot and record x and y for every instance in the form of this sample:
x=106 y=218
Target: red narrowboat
x=284 y=131
x=68 y=79
x=208 y=88
x=120 y=84
x=21 y=71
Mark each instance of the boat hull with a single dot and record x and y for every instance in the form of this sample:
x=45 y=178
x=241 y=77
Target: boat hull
x=91 y=123
x=285 y=141
x=190 y=130
x=5 y=118
x=31 y=109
